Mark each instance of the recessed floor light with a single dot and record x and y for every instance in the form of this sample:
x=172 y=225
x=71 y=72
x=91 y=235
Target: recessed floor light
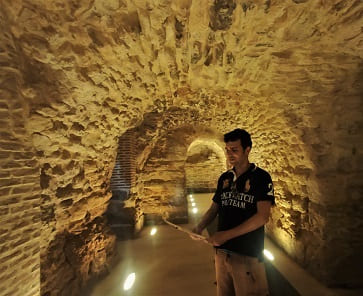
x=153 y=231
x=268 y=255
x=129 y=281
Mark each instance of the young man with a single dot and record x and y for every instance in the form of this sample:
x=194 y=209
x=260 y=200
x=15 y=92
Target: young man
x=242 y=202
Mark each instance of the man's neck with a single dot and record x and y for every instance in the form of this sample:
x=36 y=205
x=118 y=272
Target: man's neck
x=242 y=168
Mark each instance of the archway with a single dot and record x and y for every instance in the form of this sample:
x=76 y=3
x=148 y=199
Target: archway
x=205 y=161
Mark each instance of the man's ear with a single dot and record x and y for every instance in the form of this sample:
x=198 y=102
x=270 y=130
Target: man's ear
x=248 y=149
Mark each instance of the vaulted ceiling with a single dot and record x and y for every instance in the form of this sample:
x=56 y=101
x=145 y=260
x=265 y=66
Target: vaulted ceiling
x=76 y=75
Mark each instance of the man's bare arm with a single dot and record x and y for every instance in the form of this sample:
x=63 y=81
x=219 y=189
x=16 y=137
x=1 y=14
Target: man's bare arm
x=208 y=217
x=256 y=221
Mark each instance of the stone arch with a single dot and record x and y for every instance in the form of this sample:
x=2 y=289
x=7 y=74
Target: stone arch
x=205 y=161
x=163 y=173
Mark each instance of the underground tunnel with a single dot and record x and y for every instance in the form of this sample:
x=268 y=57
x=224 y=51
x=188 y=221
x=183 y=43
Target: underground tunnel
x=113 y=113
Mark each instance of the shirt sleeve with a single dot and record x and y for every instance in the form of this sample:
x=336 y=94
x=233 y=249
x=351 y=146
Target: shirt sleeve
x=217 y=195
x=265 y=191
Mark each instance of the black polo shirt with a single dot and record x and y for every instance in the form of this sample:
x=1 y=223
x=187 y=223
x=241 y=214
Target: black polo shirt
x=237 y=200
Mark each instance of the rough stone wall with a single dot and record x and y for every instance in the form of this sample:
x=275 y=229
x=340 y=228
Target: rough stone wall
x=66 y=137
x=19 y=180
x=288 y=71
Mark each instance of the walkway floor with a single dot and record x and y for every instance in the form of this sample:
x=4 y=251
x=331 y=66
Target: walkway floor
x=168 y=263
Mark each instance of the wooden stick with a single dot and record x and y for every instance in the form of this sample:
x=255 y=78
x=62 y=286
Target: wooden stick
x=177 y=227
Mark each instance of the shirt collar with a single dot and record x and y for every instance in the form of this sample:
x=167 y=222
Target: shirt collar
x=251 y=168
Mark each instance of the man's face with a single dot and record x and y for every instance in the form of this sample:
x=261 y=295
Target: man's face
x=235 y=153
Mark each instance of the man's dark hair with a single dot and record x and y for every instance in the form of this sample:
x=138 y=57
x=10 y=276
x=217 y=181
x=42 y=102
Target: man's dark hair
x=239 y=134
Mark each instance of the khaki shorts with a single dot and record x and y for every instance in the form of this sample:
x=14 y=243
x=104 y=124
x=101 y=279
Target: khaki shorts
x=239 y=275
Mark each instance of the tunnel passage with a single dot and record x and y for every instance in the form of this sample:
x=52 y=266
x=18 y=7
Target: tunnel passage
x=205 y=162
x=164 y=175
x=203 y=166
x=76 y=76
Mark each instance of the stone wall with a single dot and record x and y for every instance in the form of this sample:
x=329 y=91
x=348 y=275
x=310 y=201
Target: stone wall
x=19 y=180
x=75 y=76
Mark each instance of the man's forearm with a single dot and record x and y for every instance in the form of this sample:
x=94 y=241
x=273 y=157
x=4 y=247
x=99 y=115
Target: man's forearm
x=253 y=223
x=256 y=221
x=208 y=217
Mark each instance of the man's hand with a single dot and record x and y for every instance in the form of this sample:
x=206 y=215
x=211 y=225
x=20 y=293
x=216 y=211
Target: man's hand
x=197 y=229
x=219 y=238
